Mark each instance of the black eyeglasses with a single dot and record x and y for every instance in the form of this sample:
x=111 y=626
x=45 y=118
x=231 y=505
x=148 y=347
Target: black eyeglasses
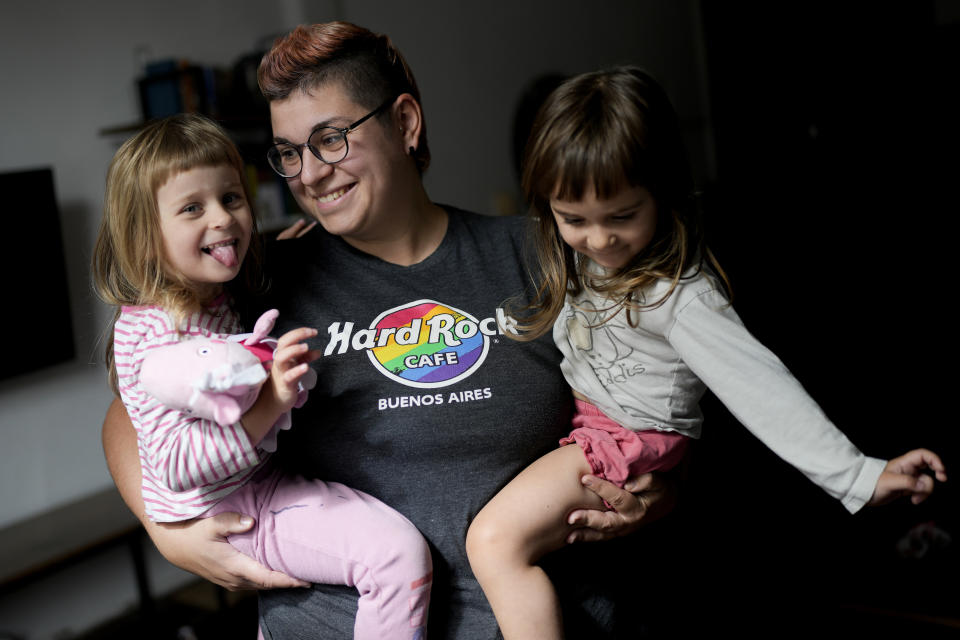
x=328 y=144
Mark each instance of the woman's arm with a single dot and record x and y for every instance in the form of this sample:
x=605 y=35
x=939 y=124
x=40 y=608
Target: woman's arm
x=198 y=546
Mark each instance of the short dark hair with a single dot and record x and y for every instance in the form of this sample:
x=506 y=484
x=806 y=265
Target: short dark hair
x=365 y=64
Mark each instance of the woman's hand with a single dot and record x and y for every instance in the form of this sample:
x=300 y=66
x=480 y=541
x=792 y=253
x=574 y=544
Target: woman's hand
x=642 y=500
x=200 y=546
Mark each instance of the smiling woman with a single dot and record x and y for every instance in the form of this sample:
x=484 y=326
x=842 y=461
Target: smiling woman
x=356 y=197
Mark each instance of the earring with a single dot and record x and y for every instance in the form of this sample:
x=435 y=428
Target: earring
x=411 y=151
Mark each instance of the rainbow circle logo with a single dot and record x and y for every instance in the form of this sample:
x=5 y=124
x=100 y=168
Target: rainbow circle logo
x=426 y=344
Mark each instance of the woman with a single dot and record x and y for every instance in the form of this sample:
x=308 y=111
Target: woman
x=421 y=401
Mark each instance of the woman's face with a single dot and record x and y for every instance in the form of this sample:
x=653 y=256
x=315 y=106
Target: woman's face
x=352 y=198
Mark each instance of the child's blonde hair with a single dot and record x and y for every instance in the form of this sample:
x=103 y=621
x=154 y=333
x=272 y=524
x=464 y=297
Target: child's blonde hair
x=606 y=131
x=129 y=265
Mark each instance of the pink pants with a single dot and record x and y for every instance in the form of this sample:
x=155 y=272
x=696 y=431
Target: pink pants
x=328 y=533
x=616 y=453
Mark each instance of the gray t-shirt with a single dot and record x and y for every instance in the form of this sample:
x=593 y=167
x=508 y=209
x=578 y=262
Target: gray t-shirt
x=433 y=421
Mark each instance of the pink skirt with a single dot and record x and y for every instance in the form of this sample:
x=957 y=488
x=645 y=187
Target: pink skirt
x=616 y=453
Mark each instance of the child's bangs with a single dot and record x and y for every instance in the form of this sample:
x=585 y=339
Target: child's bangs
x=177 y=154
x=605 y=170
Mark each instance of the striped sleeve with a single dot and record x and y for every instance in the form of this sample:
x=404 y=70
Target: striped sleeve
x=180 y=454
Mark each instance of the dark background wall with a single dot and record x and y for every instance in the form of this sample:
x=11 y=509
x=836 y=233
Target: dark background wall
x=833 y=211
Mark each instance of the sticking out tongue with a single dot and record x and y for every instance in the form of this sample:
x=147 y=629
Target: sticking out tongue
x=225 y=254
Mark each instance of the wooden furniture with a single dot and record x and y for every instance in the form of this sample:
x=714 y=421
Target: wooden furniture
x=39 y=546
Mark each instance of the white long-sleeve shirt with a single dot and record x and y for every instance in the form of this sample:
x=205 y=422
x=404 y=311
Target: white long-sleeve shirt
x=652 y=376
x=189 y=464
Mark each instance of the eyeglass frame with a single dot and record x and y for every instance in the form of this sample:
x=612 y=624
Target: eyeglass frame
x=343 y=131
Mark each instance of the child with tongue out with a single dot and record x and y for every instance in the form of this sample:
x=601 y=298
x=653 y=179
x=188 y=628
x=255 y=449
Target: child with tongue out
x=177 y=226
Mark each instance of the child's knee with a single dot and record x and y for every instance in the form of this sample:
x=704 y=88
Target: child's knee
x=488 y=538
x=410 y=548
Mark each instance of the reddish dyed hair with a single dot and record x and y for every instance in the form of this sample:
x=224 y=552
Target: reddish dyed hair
x=366 y=64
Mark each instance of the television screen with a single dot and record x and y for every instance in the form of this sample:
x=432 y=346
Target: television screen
x=36 y=324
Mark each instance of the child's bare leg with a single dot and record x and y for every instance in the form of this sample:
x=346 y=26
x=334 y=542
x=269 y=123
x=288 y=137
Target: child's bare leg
x=521 y=524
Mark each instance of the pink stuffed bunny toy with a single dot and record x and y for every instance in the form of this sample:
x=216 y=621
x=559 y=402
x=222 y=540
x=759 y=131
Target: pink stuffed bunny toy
x=218 y=379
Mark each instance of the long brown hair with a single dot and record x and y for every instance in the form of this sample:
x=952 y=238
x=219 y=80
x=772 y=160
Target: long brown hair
x=128 y=265
x=369 y=68
x=605 y=131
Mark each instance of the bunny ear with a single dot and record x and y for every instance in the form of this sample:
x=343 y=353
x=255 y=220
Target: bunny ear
x=263 y=327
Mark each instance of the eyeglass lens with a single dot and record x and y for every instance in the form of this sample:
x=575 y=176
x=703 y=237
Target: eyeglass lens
x=327 y=144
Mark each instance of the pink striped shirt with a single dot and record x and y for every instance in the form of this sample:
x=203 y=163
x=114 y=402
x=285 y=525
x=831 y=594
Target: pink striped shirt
x=189 y=464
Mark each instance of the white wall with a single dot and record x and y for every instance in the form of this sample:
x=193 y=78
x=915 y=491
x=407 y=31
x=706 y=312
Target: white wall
x=69 y=70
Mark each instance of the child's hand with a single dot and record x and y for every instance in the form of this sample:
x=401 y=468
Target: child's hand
x=902 y=477
x=291 y=360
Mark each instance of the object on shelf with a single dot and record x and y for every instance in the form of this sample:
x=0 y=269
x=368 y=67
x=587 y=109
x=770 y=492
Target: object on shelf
x=177 y=86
